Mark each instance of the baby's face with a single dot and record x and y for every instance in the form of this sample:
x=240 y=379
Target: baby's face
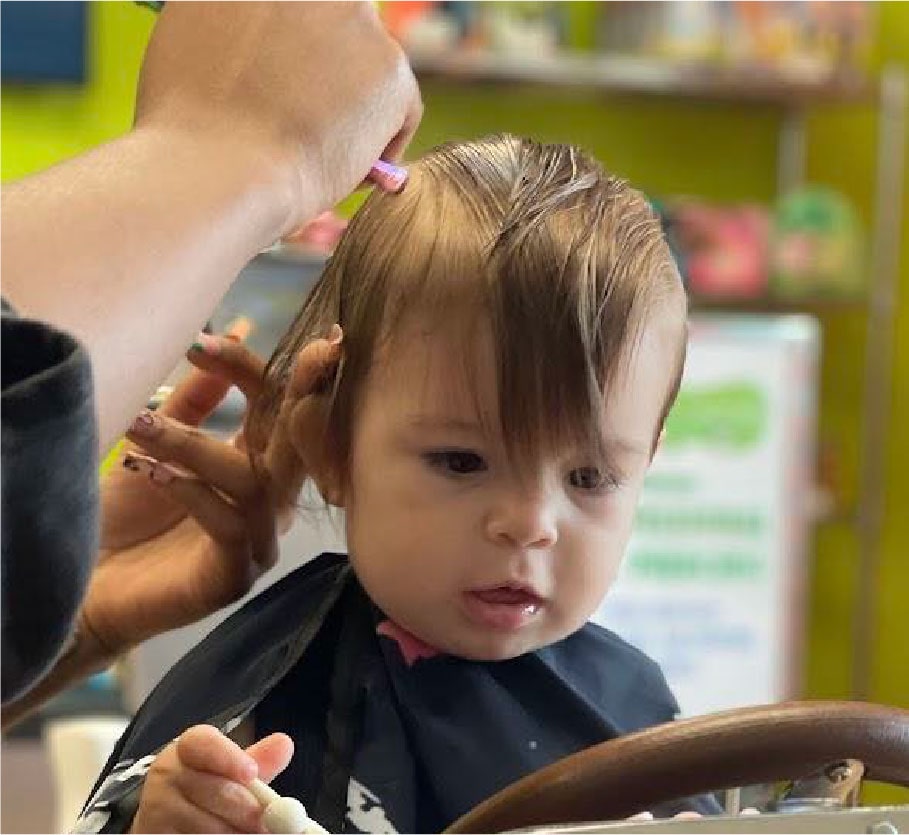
x=453 y=544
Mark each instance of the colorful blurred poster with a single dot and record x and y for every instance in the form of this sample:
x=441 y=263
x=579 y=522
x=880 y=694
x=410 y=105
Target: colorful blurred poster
x=713 y=585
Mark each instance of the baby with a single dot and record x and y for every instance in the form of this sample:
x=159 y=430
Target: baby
x=514 y=333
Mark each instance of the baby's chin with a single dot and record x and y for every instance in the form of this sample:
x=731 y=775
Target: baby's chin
x=456 y=636
x=497 y=647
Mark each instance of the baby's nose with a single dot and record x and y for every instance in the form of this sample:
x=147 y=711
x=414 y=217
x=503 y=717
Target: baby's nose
x=523 y=520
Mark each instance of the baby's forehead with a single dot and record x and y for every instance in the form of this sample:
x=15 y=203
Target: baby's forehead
x=446 y=351
x=433 y=375
x=427 y=366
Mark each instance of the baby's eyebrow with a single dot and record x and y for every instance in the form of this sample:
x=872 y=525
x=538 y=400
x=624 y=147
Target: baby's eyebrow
x=442 y=422
x=621 y=446
x=615 y=447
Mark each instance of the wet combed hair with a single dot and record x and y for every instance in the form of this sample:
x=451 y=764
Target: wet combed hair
x=563 y=262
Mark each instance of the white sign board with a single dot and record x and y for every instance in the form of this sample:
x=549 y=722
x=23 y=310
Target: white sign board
x=713 y=582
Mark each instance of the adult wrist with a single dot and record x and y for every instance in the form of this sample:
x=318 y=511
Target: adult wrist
x=242 y=166
x=88 y=649
x=83 y=656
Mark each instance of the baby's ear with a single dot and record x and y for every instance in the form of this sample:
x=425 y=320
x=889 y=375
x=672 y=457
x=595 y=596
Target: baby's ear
x=313 y=442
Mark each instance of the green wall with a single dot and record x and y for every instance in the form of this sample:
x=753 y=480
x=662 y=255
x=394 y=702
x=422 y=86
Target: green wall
x=42 y=125
x=722 y=152
x=841 y=145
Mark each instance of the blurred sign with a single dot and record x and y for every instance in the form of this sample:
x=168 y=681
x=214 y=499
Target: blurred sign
x=713 y=582
x=43 y=42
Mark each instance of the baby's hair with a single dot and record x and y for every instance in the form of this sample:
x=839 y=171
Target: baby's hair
x=564 y=264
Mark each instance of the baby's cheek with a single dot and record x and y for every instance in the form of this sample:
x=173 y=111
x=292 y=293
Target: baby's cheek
x=583 y=584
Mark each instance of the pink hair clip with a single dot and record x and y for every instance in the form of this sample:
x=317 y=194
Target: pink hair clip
x=387 y=176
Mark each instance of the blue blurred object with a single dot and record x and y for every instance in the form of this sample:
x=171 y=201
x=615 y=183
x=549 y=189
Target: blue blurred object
x=667 y=224
x=42 y=43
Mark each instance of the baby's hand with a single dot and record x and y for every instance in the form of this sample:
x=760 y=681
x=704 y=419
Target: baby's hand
x=199 y=783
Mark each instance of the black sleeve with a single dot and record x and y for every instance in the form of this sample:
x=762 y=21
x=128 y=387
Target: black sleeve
x=50 y=500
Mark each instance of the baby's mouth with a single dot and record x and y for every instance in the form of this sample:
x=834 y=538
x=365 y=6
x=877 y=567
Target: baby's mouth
x=505 y=608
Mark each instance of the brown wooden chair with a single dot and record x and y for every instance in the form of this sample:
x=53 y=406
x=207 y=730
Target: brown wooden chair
x=733 y=748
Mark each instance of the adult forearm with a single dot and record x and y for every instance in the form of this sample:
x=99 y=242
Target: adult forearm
x=131 y=246
x=252 y=118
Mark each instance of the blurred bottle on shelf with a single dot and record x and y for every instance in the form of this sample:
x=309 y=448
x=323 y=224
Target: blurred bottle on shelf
x=809 y=41
x=817 y=246
x=725 y=248
x=808 y=248
x=514 y=28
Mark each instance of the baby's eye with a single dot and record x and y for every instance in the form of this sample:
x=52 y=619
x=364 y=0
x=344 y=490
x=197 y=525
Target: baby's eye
x=592 y=479
x=456 y=461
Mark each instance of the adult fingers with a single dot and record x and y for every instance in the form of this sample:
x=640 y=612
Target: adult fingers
x=286 y=468
x=231 y=361
x=243 y=535
x=409 y=92
x=322 y=233
x=197 y=396
x=387 y=176
x=217 y=463
x=315 y=362
x=395 y=149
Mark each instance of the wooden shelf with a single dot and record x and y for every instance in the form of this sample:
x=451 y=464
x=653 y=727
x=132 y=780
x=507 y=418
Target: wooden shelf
x=816 y=305
x=643 y=76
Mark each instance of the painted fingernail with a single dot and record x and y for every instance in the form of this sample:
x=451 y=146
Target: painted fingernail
x=145 y=424
x=138 y=463
x=206 y=343
x=163 y=473
x=157 y=471
x=387 y=176
x=335 y=335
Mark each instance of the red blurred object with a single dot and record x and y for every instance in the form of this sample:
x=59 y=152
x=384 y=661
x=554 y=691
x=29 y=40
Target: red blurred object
x=400 y=15
x=726 y=249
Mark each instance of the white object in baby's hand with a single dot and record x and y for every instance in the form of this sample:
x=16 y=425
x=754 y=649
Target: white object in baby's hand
x=284 y=814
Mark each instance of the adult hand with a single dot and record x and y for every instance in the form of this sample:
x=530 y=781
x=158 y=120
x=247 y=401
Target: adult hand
x=318 y=91
x=251 y=119
x=150 y=550
x=201 y=527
